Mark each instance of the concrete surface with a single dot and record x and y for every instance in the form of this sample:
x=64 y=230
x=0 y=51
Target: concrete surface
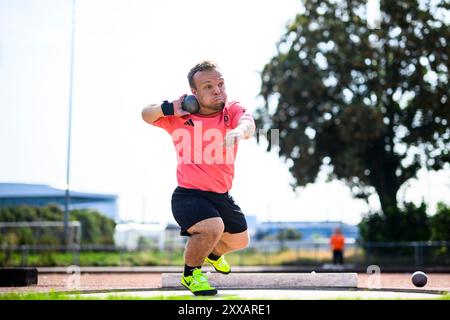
x=271 y=280
x=140 y=282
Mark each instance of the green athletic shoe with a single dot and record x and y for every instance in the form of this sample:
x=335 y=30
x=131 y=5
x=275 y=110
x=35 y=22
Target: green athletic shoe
x=198 y=284
x=221 y=265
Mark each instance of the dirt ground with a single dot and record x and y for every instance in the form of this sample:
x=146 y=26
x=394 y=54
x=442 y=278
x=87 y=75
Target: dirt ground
x=141 y=281
x=436 y=281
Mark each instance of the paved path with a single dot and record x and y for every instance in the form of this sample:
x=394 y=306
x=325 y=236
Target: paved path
x=277 y=294
x=142 y=282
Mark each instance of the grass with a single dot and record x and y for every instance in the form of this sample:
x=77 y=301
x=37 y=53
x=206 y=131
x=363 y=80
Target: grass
x=76 y=296
x=52 y=295
x=248 y=257
x=164 y=258
x=53 y=259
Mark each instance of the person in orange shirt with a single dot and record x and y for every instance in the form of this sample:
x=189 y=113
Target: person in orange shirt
x=337 y=242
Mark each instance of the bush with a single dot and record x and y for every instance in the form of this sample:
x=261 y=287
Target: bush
x=96 y=228
x=440 y=223
x=408 y=224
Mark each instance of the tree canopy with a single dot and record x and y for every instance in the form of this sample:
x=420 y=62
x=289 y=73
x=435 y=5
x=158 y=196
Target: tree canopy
x=372 y=104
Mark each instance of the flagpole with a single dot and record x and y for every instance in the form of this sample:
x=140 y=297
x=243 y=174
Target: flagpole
x=69 y=133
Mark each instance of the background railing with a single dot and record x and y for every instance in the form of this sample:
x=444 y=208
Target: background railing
x=294 y=253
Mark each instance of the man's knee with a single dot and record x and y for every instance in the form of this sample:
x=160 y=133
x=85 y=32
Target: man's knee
x=243 y=243
x=237 y=241
x=212 y=227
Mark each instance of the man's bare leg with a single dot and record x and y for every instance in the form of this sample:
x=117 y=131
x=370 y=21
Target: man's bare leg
x=204 y=237
x=231 y=242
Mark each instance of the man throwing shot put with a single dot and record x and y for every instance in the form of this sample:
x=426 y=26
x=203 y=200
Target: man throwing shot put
x=206 y=143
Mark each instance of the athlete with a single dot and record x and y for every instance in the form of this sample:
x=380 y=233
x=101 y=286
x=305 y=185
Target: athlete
x=206 y=143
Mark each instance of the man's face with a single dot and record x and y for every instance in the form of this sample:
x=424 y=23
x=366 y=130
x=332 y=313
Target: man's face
x=209 y=90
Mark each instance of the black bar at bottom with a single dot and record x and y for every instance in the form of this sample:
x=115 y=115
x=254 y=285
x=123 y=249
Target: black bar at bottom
x=18 y=277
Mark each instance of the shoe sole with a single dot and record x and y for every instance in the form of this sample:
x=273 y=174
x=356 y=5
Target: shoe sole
x=203 y=292
x=222 y=272
x=219 y=271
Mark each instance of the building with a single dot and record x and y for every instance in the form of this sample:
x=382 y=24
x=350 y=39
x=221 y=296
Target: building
x=13 y=194
x=133 y=235
x=309 y=230
x=136 y=236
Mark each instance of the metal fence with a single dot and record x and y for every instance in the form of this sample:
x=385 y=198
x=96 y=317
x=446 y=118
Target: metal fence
x=41 y=228
x=301 y=253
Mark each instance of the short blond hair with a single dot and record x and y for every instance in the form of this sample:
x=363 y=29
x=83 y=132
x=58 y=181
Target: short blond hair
x=205 y=65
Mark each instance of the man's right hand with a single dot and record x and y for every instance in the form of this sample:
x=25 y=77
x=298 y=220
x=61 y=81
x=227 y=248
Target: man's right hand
x=177 y=109
x=154 y=112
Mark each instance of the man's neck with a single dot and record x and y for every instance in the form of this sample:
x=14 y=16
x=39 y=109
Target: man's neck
x=204 y=112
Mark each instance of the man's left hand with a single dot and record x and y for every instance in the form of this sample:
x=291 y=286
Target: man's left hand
x=232 y=137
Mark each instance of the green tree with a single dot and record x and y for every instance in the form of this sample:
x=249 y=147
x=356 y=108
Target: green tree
x=410 y=223
x=372 y=228
x=289 y=234
x=372 y=104
x=440 y=223
x=96 y=228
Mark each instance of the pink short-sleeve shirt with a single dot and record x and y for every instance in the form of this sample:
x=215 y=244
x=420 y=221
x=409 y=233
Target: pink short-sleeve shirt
x=203 y=163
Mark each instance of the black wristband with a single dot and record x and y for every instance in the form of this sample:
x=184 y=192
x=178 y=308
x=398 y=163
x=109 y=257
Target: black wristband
x=167 y=108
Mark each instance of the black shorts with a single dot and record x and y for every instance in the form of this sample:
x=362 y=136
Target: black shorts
x=190 y=206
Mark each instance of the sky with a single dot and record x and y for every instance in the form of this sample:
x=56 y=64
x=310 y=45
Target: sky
x=128 y=54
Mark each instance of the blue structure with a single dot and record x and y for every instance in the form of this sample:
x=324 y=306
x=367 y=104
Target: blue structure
x=309 y=230
x=12 y=194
